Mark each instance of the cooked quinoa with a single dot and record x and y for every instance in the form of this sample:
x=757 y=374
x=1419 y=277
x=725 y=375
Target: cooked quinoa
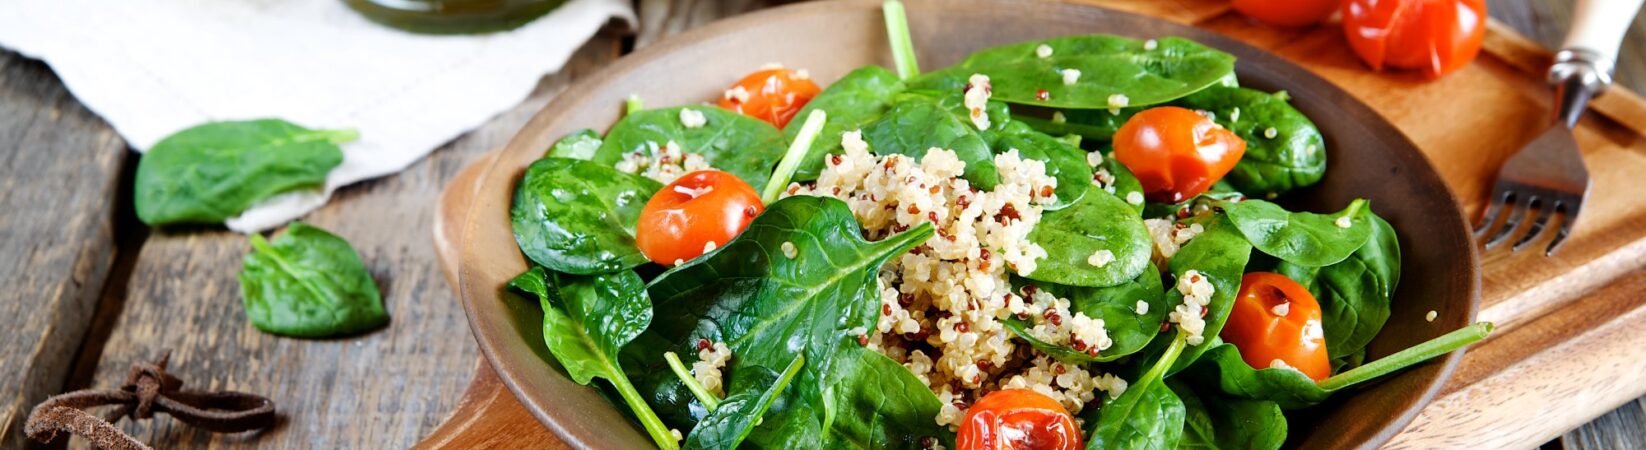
x=663 y=163
x=710 y=359
x=943 y=304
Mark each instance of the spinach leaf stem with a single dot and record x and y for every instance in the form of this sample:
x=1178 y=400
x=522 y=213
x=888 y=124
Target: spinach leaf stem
x=897 y=31
x=1413 y=355
x=648 y=419
x=797 y=151
x=703 y=395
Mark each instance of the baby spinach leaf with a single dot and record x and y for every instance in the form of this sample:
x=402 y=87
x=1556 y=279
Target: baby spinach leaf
x=768 y=308
x=1107 y=65
x=586 y=322
x=729 y=424
x=1301 y=238
x=1097 y=124
x=534 y=281
x=1219 y=254
x=580 y=144
x=1354 y=294
x=1064 y=162
x=854 y=101
x=1097 y=222
x=732 y=142
x=917 y=123
x=214 y=171
x=1125 y=182
x=578 y=216
x=1148 y=415
x=1116 y=306
x=1293 y=157
x=309 y=283
x=1217 y=421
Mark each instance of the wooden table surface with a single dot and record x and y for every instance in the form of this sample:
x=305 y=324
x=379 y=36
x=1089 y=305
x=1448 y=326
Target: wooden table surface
x=89 y=289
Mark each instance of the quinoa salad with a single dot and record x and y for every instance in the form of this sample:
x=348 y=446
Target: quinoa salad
x=1075 y=242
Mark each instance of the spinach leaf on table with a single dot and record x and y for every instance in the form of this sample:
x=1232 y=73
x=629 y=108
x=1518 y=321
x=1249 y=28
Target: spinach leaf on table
x=579 y=217
x=1301 y=238
x=1099 y=221
x=768 y=308
x=580 y=144
x=852 y=102
x=1064 y=162
x=1116 y=306
x=1295 y=157
x=309 y=283
x=737 y=415
x=1108 y=65
x=1354 y=294
x=1217 y=421
x=917 y=123
x=732 y=142
x=215 y=171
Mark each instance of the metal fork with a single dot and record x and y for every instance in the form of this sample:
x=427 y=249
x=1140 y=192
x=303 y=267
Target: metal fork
x=1547 y=177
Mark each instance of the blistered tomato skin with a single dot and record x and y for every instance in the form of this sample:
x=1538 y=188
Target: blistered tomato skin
x=1287 y=13
x=680 y=221
x=771 y=95
x=1176 y=153
x=1018 y=419
x=1275 y=318
x=1436 y=37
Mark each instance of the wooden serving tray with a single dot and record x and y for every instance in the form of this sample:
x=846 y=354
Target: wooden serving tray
x=1571 y=338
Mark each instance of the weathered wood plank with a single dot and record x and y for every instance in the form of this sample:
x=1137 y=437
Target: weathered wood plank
x=59 y=168
x=385 y=389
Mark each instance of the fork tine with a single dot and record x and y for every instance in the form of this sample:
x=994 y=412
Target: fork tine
x=1566 y=221
x=1517 y=213
x=1543 y=214
x=1492 y=211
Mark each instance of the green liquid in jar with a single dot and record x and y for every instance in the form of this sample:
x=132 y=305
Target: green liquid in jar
x=453 y=16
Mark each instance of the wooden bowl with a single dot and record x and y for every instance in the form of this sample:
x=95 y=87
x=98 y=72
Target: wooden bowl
x=1368 y=158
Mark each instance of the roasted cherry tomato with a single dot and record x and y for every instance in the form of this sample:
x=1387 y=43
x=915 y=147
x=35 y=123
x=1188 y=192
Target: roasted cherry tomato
x=1289 y=13
x=1276 y=319
x=1176 y=153
x=1435 y=36
x=699 y=208
x=772 y=95
x=1018 y=419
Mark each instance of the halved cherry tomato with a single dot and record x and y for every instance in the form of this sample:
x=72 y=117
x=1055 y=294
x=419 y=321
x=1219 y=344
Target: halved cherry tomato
x=1176 y=153
x=1274 y=318
x=1288 y=13
x=1018 y=419
x=772 y=95
x=1435 y=36
x=705 y=206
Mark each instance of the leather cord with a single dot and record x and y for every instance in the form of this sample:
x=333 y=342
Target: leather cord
x=148 y=390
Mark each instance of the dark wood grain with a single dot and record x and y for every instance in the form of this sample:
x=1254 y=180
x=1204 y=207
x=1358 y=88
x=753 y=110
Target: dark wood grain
x=59 y=167
x=385 y=389
x=1545 y=21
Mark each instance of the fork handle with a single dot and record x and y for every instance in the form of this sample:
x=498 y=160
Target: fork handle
x=1583 y=67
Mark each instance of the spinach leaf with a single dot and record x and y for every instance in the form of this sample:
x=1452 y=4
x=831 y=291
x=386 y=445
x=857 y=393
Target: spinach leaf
x=1293 y=157
x=1301 y=238
x=852 y=102
x=1097 y=124
x=586 y=322
x=729 y=424
x=1219 y=254
x=1217 y=421
x=214 y=171
x=534 y=281
x=1098 y=222
x=1148 y=415
x=1354 y=294
x=1107 y=65
x=1064 y=162
x=1116 y=306
x=917 y=123
x=732 y=142
x=580 y=144
x=768 y=308
x=579 y=217
x=309 y=283
x=1125 y=182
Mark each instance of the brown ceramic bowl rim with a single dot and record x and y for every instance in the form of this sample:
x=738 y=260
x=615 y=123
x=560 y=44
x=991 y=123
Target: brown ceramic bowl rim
x=490 y=339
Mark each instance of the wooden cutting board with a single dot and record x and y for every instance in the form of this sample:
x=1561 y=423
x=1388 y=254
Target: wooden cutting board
x=1571 y=338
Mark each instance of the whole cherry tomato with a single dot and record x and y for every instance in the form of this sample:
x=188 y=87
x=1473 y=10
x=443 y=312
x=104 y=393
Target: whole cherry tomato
x=1176 y=153
x=1018 y=419
x=701 y=207
x=1435 y=36
x=1289 y=13
x=772 y=95
x=1276 y=319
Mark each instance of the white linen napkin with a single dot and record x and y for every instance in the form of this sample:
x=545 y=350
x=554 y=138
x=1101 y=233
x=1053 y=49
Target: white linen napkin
x=154 y=67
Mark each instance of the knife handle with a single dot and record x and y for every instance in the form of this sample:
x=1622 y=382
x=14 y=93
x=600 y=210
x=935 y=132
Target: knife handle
x=1583 y=67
